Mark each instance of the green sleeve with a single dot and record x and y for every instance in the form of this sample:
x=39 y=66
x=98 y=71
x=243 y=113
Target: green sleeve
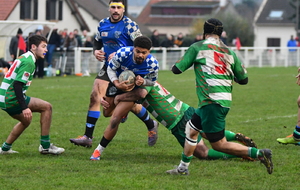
x=187 y=60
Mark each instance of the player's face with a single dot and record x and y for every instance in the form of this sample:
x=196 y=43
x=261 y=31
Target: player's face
x=140 y=54
x=116 y=10
x=41 y=50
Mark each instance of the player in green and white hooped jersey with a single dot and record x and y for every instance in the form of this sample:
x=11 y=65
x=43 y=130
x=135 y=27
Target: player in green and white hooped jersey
x=216 y=67
x=174 y=115
x=14 y=101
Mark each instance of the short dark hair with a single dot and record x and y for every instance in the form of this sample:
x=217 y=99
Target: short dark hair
x=213 y=26
x=123 y=1
x=142 y=42
x=36 y=40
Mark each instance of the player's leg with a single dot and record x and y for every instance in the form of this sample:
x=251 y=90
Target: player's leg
x=231 y=136
x=151 y=124
x=45 y=109
x=213 y=124
x=121 y=109
x=98 y=92
x=295 y=137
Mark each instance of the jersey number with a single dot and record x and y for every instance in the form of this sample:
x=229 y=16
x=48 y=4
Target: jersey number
x=219 y=57
x=11 y=70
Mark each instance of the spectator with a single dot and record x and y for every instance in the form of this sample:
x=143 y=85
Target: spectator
x=179 y=41
x=40 y=63
x=78 y=37
x=63 y=36
x=54 y=41
x=224 y=37
x=155 y=38
x=14 y=49
x=88 y=42
x=298 y=41
x=168 y=42
x=292 y=52
x=84 y=36
x=71 y=42
x=198 y=38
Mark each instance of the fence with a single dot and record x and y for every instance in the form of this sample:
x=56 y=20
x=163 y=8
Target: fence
x=81 y=60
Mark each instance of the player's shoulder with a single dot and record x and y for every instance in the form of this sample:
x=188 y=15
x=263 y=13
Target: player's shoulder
x=124 y=51
x=104 y=20
x=128 y=20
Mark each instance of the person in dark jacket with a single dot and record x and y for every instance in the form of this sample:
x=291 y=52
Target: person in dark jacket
x=13 y=46
x=53 y=43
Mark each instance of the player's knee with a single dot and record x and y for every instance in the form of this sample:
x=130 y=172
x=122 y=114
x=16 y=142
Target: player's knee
x=191 y=134
x=201 y=151
x=114 y=121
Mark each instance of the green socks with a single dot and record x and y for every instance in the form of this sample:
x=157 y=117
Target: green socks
x=213 y=154
x=230 y=136
x=6 y=146
x=186 y=159
x=45 y=141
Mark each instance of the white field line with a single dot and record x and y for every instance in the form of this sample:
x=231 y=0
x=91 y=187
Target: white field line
x=271 y=117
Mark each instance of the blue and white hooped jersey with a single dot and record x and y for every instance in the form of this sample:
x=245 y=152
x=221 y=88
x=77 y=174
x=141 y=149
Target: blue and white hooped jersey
x=124 y=60
x=117 y=35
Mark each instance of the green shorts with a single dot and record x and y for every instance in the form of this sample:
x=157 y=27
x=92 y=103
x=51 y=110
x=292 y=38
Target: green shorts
x=17 y=109
x=212 y=117
x=179 y=130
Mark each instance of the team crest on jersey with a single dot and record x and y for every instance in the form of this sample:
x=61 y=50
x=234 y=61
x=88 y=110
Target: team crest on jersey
x=104 y=34
x=117 y=34
x=25 y=76
x=101 y=73
x=112 y=90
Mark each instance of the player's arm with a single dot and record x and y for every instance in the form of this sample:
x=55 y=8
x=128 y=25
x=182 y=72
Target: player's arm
x=131 y=96
x=242 y=82
x=18 y=88
x=185 y=62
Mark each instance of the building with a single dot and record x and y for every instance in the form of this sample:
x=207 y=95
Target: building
x=172 y=17
x=61 y=14
x=273 y=26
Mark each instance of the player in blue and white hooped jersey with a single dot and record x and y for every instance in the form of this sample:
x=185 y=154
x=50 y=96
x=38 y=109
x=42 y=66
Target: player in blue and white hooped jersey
x=139 y=60
x=113 y=33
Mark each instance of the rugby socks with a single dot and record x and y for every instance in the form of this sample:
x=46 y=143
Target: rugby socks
x=91 y=120
x=102 y=145
x=185 y=162
x=144 y=116
x=213 y=154
x=296 y=133
x=230 y=136
x=6 y=146
x=254 y=152
x=45 y=141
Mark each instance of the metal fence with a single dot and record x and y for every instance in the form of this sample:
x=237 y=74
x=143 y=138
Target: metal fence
x=81 y=60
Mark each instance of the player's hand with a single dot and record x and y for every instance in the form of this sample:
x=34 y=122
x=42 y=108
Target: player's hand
x=139 y=80
x=100 y=55
x=104 y=103
x=27 y=114
x=111 y=56
x=124 y=87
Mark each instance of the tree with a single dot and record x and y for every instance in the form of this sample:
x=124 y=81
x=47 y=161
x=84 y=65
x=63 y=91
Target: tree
x=235 y=26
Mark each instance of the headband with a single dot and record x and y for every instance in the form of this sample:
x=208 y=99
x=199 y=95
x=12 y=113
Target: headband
x=117 y=4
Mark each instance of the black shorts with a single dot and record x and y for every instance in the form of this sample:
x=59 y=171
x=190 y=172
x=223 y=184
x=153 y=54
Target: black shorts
x=112 y=90
x=103 y=74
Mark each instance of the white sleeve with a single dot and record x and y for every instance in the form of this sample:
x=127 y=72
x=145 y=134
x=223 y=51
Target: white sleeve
x=112 y=74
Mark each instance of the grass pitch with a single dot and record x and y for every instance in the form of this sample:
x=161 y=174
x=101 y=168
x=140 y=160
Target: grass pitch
x=264 y=110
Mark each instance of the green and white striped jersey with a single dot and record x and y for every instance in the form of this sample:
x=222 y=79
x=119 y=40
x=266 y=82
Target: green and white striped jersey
x=164 y=106
x=215 y=67
x=21 y=70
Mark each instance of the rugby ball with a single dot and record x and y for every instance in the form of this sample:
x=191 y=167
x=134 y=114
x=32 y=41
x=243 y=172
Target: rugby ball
x=127 y=75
